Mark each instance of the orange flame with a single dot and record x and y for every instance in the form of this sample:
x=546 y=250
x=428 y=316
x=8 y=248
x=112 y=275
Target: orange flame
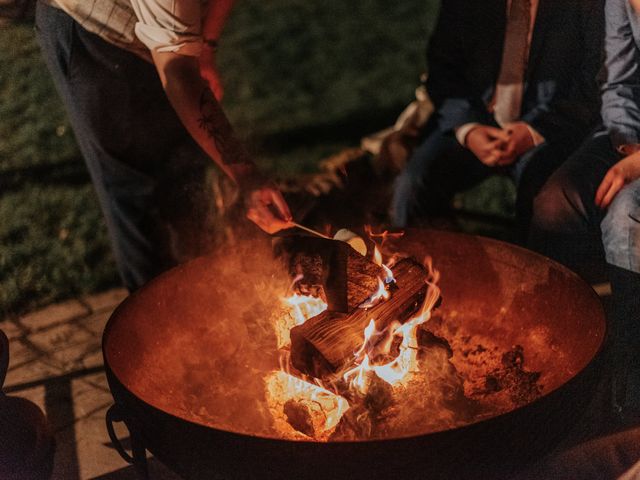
x=384 y=235
x=297 y=310
x=380 y=295
x=322 y=409
x=377 y=259
x=377 y=256
x=399 y=370
x=357 y=377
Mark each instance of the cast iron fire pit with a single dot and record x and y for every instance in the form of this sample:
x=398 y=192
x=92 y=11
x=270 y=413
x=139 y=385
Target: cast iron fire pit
x=174 y=340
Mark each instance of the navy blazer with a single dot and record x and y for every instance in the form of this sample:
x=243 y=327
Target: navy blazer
x=621 y=89
x=561 y=96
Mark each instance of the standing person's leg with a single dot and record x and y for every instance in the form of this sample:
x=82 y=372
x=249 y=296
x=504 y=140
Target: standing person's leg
x=127 y=132
x=438 y=169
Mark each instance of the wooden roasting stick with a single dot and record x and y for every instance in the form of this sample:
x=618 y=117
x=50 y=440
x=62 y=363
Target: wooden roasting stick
x=311 y=231
x=325 y=343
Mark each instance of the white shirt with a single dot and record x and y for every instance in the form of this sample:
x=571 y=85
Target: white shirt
x=141 y=26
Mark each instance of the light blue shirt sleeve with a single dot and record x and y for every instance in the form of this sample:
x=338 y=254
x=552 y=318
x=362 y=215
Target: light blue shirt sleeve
x=621 y=88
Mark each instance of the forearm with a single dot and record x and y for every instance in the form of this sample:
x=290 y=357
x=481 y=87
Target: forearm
x=216 y=16
x=202 y=115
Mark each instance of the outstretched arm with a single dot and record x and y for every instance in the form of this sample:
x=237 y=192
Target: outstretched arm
x=203 y=117
x=173 y=32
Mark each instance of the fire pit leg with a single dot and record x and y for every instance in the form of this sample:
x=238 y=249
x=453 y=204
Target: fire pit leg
x=139 y=457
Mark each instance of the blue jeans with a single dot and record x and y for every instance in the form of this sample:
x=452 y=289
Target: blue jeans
x=148 y=174
x=569 y=227
x=441 y=167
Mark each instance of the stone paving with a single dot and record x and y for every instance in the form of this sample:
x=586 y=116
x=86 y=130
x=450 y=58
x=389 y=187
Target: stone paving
x=56 y=362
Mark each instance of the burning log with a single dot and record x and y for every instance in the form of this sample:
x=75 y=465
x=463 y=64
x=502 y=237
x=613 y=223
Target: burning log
x=332 y=268
x=511 y=378
x=324 y=343
x=301 y=409
x=367 y=415
x=300 y=416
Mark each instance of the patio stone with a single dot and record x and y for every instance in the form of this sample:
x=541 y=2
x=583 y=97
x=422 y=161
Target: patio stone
x=95 y=454
x=95 y=322
x=21 y=353
x=105 y=301
x=88 y=399
x=55 y=362
x=54 y=314
x=91 y=359
x=11 y=329
x=35 y=395
x=66 y=345
x=30 y=372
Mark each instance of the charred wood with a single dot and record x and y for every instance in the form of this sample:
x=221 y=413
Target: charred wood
x=332 y=269
x=331 y=338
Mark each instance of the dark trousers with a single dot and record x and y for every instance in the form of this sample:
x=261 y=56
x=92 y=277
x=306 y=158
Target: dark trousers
x=441 y=167
x=148 y=174
x=568 y=226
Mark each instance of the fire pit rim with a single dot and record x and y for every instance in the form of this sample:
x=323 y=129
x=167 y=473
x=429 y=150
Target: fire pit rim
x=468 y=426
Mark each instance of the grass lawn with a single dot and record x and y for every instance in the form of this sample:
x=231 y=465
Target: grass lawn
x=303 y=80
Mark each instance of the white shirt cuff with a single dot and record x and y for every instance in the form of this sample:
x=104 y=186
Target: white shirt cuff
x=463 y=131
x=161 y=40
x=535 y=135
x=169 y=25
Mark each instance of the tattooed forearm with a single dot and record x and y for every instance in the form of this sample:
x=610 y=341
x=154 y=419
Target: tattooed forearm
x=213 y=121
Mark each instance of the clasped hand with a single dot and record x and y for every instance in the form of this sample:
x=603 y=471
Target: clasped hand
x=499 y=147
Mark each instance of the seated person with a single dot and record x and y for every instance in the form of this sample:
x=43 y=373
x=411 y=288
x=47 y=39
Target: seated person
x=514 y=89
x=589 y=210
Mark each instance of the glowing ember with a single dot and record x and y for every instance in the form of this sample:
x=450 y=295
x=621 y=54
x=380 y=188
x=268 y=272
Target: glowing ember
x=298 y=309
x=301 y=409
x=398 y=370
